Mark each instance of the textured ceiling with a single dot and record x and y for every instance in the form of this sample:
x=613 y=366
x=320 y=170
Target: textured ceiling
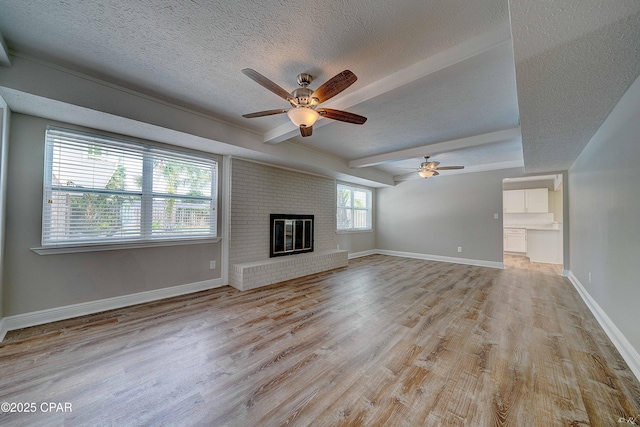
x=474 y=96
x=573 y=63
x=557 y=75
x=500 y=155
x=192 y=52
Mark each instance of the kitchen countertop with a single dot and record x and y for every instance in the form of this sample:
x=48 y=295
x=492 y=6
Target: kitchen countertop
x=545 y=227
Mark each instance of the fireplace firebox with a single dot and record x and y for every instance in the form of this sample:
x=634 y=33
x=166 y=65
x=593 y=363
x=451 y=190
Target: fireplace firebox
x=290 y=234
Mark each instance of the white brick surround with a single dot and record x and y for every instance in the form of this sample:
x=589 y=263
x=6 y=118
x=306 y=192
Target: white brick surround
x=259 y=190
x=250 y=275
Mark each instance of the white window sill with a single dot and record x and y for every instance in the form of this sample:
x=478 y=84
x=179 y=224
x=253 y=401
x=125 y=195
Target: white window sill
x=369 y=230
x=53 y=250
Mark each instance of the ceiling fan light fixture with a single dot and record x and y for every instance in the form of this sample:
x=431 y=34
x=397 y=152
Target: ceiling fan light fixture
x=304 y=100
x=426 y=173
x=303 y=116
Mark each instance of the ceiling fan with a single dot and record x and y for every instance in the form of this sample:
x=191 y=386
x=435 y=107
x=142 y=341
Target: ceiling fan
x=428 y=169
x=304 y=101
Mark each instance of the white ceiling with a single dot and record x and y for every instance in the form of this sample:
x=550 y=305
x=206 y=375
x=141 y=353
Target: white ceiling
x=453 y=73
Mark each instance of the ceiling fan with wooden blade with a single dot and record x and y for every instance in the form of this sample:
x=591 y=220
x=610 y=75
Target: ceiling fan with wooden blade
x=343 y=116
x=304 y=102
x=430 y=168
x=265 y=113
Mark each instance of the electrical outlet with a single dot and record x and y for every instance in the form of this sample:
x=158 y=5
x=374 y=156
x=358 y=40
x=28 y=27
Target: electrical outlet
x=589 y=277
x=496 y=216
x=212 y=265
x=459 y=248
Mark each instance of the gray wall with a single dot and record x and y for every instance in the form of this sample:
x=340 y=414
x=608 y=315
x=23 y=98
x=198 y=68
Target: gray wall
x=604 y=208
x=4 y=152
x=35 y=282
x=358 y=241
x=437 y=215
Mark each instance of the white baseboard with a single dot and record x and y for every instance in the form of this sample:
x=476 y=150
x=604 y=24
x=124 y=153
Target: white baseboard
x=624 y=347
x=361 y=254
x=454 y=260
x=41 y=317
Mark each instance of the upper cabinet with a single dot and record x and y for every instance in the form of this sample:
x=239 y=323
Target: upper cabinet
x=536 y=200
x=513 y=201
x=532 y=200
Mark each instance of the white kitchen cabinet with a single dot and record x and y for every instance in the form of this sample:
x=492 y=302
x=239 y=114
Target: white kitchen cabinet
x=515 y=240
x=544 y=246
x=536 y=200
x=531 y=200
x=513 y=201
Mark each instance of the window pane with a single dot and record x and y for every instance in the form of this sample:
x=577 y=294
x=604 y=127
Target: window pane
x=344 y=196
x=174 y=216
x=89 y=216
x=179 y=176
x=360 y=219
x=344 y=218
x=353 y=208
x=360 y=199
x=94 y=165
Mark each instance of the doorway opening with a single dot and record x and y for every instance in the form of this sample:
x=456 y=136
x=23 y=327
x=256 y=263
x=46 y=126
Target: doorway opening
x=532 y=222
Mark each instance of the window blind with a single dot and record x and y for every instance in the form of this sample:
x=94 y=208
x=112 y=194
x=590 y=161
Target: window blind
x=99 y=190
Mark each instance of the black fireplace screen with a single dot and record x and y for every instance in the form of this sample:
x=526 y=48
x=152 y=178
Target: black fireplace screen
x=291 y=234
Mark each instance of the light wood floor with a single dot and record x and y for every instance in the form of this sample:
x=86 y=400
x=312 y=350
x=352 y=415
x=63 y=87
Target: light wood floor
x=523 y=262
x=385 y=341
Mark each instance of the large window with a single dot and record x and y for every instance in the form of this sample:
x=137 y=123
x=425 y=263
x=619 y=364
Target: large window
x=100 y=190
x=354 y=208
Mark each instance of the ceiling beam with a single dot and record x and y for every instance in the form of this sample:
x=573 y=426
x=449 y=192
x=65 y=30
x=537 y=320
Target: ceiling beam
x=440 y=147
x=72 y=97
x=465 y=50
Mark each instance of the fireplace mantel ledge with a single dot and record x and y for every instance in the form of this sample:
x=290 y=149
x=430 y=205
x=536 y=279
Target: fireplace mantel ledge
x=255 y=274
x=281 y=259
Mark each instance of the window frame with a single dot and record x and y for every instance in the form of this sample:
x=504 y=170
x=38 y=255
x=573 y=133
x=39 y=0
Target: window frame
x=368 y=209
x=147 y=237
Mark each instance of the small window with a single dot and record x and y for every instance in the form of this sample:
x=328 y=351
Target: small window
x=354 y=208
x=100 y=190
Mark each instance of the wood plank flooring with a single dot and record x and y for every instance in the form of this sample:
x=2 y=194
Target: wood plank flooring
x=385 y=341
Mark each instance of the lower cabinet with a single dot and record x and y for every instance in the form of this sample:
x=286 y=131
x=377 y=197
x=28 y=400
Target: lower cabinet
x=515 y=240
x=544 y=246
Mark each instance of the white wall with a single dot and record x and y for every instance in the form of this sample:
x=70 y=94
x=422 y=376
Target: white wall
x=437 y=215
x=35 y=282
x=258 y=190
x=555 y=205
x=604 y=209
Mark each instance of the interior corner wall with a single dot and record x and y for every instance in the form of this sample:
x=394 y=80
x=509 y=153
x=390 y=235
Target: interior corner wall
x=258 y=190
x=4 y=148
x=361 y=241
x=35 y=282
x=566 y=223
x=435 y=216
x=604 y=208
x=354 y=242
